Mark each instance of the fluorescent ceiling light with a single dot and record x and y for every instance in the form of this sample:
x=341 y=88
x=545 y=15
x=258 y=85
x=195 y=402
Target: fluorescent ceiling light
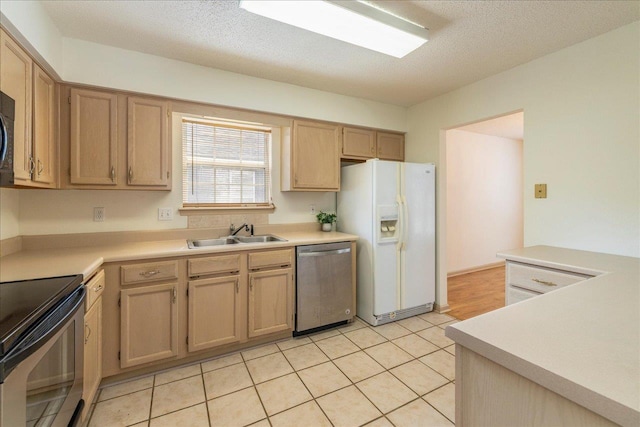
x=354 y=22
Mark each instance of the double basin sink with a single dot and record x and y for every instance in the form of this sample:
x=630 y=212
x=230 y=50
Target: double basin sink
x=233 y=240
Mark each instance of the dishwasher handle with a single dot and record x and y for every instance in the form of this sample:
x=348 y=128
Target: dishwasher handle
x=324 y=253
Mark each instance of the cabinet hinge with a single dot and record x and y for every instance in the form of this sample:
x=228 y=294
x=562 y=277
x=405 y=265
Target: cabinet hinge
x=187 y=291
x=69 y=99
x=187 y=340
x=118 y=355
x=119 y=302
x=167 y=174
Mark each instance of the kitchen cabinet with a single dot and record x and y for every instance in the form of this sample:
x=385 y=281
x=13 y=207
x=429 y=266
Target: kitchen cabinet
x=524 y=281
x=148 y=142
x=44 y=128
x=390 y=146
x=270 y=292
x=92 y=368
x=93 y=137
x=149 y=323
x=311 y=157
x=215 y=303
x=358 y=143
x=16 y=74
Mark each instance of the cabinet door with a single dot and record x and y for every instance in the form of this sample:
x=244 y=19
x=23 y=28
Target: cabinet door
x=92 y=354
x=390 y=146
x=43 y=127
x=270 y=302
x=93 y=137
x=214 y=312
x=148 y=142
x=148 y=324
x=316 y=156
x=15 y=81
x=358 y=143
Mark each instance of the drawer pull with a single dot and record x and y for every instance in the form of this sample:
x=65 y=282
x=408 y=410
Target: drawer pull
x=149 y=273
x=543 y=282
x=86 y=338
x=97 y=288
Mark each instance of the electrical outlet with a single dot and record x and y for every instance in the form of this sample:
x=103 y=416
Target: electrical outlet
x=98 y=214
x=165 y=214
x=541 y=191
x=313 y=209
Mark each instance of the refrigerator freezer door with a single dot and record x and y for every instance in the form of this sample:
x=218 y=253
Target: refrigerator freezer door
x=418 y=235
x=386 y=179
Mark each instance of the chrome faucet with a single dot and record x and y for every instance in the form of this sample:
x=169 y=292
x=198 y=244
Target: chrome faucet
x=247 y=228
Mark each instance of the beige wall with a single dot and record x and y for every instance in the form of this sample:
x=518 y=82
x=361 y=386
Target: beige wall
x=582 y=134
x=484 y=198
x=9 y=208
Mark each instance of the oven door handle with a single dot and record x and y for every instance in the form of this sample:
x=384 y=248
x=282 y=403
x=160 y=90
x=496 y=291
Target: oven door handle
x=4 y=140
x=40 y=334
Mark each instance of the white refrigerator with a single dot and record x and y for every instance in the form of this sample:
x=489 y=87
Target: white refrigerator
x=391 y=207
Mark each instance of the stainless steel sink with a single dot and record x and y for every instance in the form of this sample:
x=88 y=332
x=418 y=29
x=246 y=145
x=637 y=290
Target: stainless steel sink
x=233 y=240
x=260 y=239
x=211 y=242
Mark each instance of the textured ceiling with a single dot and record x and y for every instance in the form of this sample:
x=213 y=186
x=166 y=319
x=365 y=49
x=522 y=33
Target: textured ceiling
x=469 y=40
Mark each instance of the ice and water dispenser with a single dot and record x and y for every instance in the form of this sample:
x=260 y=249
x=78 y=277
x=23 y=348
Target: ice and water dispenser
x=387 y=223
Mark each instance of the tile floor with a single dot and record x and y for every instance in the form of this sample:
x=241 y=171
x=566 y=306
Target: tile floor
x=399 y=374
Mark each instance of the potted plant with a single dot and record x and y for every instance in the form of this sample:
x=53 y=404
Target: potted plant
x=326 y=219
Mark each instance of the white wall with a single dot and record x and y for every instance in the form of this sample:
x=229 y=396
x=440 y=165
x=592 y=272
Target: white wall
x=484 y=198
x=582 y=136
x=71 y=211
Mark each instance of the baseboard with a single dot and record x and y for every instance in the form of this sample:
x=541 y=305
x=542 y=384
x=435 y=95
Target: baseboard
x=441 y=308
x=10 y=246
x=476 y=269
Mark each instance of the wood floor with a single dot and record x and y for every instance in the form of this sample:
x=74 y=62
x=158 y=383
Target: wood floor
x=476 y=293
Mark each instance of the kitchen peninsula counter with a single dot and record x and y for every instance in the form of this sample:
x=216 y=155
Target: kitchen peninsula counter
x=33 y=264
x=581 y=342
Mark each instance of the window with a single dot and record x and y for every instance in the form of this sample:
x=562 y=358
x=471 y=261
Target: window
x=225 y=164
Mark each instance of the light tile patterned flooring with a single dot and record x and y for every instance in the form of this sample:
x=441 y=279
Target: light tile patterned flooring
x=398 y=374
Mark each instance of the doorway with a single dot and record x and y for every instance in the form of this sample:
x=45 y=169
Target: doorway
x=484 y=210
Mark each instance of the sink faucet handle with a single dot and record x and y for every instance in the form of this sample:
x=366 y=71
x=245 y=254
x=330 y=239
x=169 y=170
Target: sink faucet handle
x=251 y=229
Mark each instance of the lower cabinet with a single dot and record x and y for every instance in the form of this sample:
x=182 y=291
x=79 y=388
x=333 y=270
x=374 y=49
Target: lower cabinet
x=215 y=312
x=270 y=302
x=149 y=324
x=92 y=367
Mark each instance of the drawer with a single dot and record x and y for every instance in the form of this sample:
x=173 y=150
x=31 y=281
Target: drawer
x=148 y=272
x=270 y=259
x=94 y=287
x=540 y=279
x=213 y=265
x=515 y=295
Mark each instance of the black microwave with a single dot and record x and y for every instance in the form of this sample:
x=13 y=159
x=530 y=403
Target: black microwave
x=7 y=115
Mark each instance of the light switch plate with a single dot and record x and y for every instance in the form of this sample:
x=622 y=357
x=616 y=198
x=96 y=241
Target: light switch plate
x=165 y=214
x=541 y=191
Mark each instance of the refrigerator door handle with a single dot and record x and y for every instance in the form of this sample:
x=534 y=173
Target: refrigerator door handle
x=400 y=222
x=405 y=222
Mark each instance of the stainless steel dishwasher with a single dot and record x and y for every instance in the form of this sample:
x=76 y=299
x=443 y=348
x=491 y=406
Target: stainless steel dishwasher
x=324 y=288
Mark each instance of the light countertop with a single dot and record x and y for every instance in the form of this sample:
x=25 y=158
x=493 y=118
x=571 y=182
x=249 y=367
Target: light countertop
x=33 y=264
x=581 y=341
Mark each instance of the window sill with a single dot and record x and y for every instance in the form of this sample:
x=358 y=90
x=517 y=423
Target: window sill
x=208 y=210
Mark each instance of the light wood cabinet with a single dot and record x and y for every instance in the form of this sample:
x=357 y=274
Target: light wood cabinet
x=93 y=138
x=44 y=128
x=148 y=324
x=148 y=142
x=358 y=143
x=390 y=146
x=92 y=368
x=270 y=302
x=214 y=312
x=16 y=73
x=311 y=157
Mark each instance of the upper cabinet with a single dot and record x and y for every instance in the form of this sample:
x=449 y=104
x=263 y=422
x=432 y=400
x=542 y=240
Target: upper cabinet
x=147 y=142
x=112 y=140
x=358 y=143
x=93 y=138
x=390 y=146
x=311 y=157
x=34 y=93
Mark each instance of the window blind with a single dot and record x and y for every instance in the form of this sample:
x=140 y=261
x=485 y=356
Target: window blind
x=225 y=164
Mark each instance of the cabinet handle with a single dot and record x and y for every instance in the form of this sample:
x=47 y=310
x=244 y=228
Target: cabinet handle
x=175 y=294
x=543 y=282
x=32 y=166
x=40 y=167
x=97 y=288
x=148 y=274
x=86 y=338
x=237 y=286
x=130 y=174
x=113 y=174
x=251 y=284
x=373 y=150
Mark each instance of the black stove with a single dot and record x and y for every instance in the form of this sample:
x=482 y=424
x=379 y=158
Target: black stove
x=22 y=303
